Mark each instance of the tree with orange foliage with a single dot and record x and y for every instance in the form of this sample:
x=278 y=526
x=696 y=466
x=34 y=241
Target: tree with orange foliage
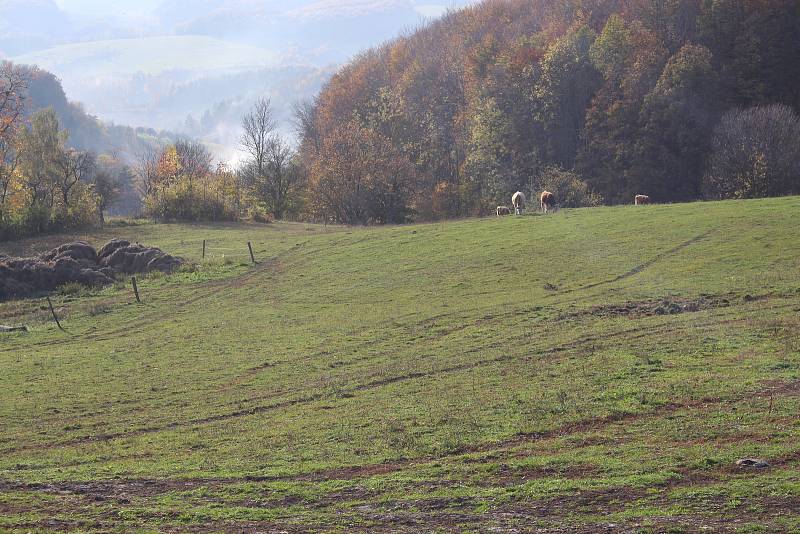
x=360 y=178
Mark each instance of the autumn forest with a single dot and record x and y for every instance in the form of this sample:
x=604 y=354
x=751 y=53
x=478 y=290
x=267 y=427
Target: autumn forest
x=597 y=100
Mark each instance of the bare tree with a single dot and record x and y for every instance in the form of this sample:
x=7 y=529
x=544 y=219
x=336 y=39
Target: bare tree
x=755 y=153
x=73 y=166
x=108 y=188
x=145 y=171
x=281 y=174
x=195 y=159
x=258 y=125
x=304 y=121
x=13 y=86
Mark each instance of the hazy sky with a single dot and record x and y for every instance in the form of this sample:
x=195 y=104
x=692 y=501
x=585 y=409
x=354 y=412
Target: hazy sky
x=428 y=8
x=107 y=7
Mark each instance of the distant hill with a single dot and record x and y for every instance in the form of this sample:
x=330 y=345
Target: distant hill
x=199 y=86
x=150 y=55
x=86 y=132
x=29 y=25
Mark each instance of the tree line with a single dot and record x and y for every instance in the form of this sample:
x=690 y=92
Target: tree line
x=61 y=168
x=180 y=181
x=596 y=100
x=44 y=184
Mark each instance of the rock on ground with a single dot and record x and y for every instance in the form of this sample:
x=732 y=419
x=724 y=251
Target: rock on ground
x=756 y=463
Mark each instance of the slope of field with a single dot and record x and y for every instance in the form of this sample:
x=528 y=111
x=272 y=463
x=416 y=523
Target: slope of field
x=592 y=369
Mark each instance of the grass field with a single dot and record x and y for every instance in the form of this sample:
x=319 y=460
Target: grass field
x=597 y=369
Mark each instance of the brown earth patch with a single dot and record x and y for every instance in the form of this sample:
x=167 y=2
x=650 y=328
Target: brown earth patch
x=649 y=308
x=514 y=476
x=781 y=388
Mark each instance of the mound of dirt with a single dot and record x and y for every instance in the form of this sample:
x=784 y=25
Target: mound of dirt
x=647 y=308
x=79 y=263
x=124 y=257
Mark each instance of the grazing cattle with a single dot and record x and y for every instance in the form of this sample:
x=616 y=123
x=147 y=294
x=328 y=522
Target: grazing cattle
x=518 y=201
x=503 y=210
x=641 y=200
x=548 y=201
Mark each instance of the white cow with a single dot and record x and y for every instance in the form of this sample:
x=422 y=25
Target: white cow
x=518 y=201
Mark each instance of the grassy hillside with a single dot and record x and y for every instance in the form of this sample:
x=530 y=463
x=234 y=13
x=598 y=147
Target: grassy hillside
x=581 y=370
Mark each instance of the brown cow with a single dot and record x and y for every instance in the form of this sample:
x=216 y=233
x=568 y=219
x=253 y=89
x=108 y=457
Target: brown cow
x=641 y=200
x=548 y=201
x=503 y=210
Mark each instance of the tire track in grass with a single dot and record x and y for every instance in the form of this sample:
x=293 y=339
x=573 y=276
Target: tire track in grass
x=640 y=332
x=524 y=314
x=199 y=293
x=636 y=332
x=255 y=370
x=641 y=267
x=218 y=286
x=215 y=287
x=148 y=487
x=374 y=384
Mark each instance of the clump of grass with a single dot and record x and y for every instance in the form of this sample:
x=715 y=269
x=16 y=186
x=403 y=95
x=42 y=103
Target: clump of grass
x=124 y=223
x=156 y=275
x=189 y=267
x=100 y=308
x=73 y=290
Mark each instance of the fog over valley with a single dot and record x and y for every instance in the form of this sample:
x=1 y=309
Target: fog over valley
x=194 y=67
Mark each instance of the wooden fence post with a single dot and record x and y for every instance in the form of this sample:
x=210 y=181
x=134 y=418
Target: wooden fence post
x=204 y=249
x=55 y=317
x=252 y=256
x=136 y=289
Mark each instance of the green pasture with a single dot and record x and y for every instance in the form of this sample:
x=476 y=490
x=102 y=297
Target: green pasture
x=590 y=369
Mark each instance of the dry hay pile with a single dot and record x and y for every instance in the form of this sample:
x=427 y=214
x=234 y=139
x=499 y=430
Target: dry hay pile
x=79 y=263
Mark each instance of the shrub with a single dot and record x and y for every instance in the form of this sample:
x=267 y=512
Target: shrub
x=260 y=215
x=569 y=189
x=755 y=153
x=185 y=201
x=72 y=289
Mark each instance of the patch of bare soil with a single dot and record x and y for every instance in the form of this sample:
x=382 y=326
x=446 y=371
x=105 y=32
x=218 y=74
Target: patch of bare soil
x=782 y=388
x=514 y=476
x=649 y=308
